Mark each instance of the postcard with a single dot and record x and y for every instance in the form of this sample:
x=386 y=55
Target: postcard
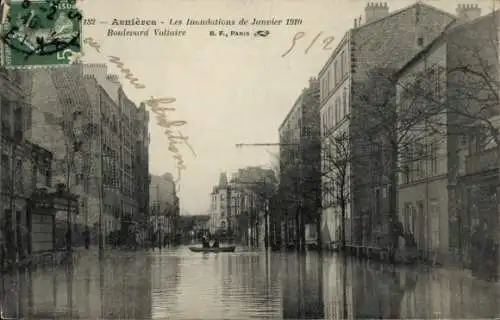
x=220 y=159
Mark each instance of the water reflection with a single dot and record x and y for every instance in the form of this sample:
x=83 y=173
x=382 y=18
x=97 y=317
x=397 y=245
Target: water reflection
x=86 y=289
x=367 y=290
x=302 y=288
x=180 y=284
x=379 y=290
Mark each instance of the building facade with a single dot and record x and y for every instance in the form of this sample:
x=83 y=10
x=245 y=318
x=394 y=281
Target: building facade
x=141 y=167
x=121 y=152
x=423 y=180
x=220 y=204
x=348 y=81
x=239 y=207
x=300 y=171
x=164 y=204
x=90 y=138
x=448 y=200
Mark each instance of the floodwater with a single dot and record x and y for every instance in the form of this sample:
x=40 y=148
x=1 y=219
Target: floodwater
x=179 y=284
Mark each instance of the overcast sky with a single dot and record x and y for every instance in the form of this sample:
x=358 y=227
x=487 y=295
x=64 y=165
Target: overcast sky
x=229 y=90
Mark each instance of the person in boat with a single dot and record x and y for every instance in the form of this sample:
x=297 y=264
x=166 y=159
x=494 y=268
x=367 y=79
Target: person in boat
x=204 y=242
x=216 y=243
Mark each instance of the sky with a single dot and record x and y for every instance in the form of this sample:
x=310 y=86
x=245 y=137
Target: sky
x=229 y=90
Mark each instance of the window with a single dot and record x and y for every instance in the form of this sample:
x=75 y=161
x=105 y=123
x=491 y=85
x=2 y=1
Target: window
x=329 y=118
x=328 y=87
x=6 y=173
x=407 y=216
x=5 y=113
x=337 y=113
x=79 y=178
x=335 y=76
x=344 y=102
x=434 y=225
x=342 y=65
x=323 y=127
x=434 y=157
x=323 y=89
x=5 y=117
x=19 y=176
x=18 y=120
x=441 y=75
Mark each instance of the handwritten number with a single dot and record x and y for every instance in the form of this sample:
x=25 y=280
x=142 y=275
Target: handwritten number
x=312 y=42
x=52 y=12
x=326 y=42
x=26 y=4
x=298 y=35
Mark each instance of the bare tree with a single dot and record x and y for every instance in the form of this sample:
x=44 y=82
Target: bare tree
x=392 y=120
x=75 y=164
x=336 y=159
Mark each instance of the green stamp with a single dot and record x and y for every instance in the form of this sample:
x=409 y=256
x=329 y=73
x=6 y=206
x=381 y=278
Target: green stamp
x=41 y=33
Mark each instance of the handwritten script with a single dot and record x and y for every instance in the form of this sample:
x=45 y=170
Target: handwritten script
x=158 y=107
x=128 y=75
x=92 y=43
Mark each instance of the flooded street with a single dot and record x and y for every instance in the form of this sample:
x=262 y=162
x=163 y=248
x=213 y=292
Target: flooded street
x=179 y=284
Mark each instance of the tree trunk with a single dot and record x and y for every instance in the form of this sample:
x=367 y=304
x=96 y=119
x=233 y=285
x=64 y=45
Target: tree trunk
x=318 y=229
x=302 y=232
x=342 y=225
x=297 y=237
x=393 y=206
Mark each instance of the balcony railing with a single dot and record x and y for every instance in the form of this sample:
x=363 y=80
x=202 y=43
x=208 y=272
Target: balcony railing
x=483 y=161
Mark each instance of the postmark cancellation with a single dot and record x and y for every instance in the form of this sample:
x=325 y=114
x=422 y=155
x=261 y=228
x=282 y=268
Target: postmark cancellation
x=40 y=33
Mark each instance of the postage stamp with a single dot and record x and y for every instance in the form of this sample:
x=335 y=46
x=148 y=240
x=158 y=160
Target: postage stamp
x=40 y=33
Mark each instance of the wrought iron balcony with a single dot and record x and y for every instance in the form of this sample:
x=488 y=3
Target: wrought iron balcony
x=483 y=161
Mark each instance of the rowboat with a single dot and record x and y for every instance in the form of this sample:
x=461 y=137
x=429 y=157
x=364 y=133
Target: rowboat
x=221 y=249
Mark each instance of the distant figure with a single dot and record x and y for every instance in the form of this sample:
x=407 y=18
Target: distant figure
x=86 y=237
x=204 y=242
x=216 y=243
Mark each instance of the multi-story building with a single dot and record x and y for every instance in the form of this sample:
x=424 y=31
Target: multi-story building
x=141 y=165
x=26 y=168
x=239 y=207
x=449 y=199
x=385 y=41
x=219 y=204
x=62 y=125
x=164 y=204
x=90 y=137
x=12 y=131
x=122 y=150
x=300 y=170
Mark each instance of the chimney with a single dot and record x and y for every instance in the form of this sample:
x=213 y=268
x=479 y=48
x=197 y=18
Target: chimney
x=375 y=11
x=468 y=12
x=312 y=82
